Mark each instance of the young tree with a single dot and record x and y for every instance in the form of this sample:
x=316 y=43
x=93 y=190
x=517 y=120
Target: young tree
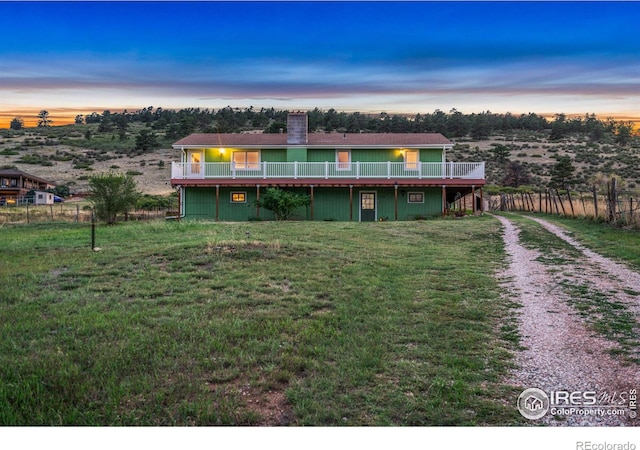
x=146 y=140
x=112 y=194
x=282 y=203
x=623 y=134
x=43 y=119
x=562 y=172
x=17 y=123
x=501 y=152
x=516 y=175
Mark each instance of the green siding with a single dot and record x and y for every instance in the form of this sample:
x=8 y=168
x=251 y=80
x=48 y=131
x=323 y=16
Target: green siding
x=432 y=205
x=200 y=203
x=376 y=155
x=330 y=203
x=296 y=154
x=214 y=155
x=430 y=155
x=274 y=155
x=322 y=155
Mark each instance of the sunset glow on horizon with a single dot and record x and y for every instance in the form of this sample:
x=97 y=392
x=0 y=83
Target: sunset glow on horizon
x=73 y=58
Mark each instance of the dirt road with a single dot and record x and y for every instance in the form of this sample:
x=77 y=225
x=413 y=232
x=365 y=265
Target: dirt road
x=563 y=323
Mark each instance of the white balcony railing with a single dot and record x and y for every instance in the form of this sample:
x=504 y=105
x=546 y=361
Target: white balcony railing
x=328 y=170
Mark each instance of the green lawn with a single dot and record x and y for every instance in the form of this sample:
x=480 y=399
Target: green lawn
x=299 y=323
x=618 y=243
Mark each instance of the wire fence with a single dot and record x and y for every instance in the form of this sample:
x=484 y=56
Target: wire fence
x=69 y=213
x=611 y=205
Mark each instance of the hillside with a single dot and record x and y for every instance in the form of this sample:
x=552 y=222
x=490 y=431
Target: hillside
x=68 y=155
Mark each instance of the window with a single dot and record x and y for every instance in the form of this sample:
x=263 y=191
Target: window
x=195 y=160
x=411 y=159
x=238 y=197
x=415 y=197
x=246 y=160
x=343 y=159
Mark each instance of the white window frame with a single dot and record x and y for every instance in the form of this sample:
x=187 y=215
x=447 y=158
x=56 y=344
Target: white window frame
x=411 y=165
x=244 y=193
x=409 y=194
x=245 y=165
x=342 y=165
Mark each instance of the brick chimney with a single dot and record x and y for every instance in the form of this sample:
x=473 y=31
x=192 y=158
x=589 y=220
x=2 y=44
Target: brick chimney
x=297 y=128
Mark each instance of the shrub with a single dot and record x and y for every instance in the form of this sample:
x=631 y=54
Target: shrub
x=282 y=203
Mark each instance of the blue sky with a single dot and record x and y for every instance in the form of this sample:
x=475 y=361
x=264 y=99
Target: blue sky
x=543 y=57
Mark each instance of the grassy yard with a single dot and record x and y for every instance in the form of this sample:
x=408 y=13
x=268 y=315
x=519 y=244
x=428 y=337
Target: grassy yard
x=297 y=323
x=617 y=243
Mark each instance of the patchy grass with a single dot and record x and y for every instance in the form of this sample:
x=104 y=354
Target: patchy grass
x=176 y=323
x=617 y=243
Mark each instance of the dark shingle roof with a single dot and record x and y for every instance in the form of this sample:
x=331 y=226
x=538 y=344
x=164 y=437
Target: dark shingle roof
x=17 y=173
x=315 y=140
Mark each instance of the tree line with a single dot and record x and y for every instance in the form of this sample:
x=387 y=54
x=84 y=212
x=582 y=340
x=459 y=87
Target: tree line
x=454 y=124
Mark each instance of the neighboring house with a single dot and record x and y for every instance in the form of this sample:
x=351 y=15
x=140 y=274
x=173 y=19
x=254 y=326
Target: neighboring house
x=352 y=176
x=16 y=184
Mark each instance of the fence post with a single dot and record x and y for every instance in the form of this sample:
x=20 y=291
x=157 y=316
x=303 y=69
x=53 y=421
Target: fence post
x=27 y=212
x=573 y=213
x=93 y=230
x=595 y=202
x=540 y=201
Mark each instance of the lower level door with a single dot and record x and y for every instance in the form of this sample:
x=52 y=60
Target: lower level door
x=367 y=206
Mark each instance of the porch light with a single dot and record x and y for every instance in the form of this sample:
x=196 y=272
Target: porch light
x=221 y=150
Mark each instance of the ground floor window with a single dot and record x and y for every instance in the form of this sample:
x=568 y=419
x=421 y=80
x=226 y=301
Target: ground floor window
x=238 y=197
x=415 y=197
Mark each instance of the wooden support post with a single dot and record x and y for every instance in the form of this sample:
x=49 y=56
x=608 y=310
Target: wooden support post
x=395 y=197
x=473 y=199
x=217 y=201
x=481 y=200
x=351 y=203
x=258 y=201
x=444 y=200
x=311 y=204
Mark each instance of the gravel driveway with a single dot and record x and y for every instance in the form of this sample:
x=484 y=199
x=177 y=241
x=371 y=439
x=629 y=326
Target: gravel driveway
x=562 y=351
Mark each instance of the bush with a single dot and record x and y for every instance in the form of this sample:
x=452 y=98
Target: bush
x=282 y=203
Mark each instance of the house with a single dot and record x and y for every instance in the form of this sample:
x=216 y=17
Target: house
x=16 y=184
x=349 y=177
